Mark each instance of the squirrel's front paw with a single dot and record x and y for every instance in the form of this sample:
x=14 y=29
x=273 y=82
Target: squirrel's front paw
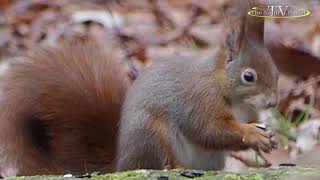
x=258 y=138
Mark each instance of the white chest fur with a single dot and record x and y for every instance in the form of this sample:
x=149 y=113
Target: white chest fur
x=244 y=113
x=195 y=157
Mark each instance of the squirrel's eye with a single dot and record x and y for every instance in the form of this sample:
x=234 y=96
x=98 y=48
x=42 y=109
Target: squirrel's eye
x=249 y=77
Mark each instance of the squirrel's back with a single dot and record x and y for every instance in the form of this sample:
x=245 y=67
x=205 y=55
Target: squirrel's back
x=60 y=108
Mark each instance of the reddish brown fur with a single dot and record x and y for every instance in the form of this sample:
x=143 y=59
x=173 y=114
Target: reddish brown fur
x=60 y=108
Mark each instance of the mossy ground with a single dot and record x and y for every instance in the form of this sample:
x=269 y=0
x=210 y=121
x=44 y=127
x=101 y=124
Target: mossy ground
x=286 y=173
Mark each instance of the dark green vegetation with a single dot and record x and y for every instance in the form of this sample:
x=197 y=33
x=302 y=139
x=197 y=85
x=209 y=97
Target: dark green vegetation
x=285 y=173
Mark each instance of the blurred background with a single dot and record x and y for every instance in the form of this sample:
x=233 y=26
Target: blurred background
x=142 y=31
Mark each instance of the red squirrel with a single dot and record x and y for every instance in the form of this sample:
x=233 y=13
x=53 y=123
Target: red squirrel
x=187 y=112
x=60 y=108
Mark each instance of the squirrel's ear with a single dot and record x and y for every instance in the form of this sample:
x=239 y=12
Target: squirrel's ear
x=234 y=21
x=234 y=37
x=241 y=26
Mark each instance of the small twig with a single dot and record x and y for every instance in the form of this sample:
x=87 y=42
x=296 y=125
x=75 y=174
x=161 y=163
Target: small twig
x=250 y=162
x=176 y=35
x=265 y=161
x=139 y=52
x=183 y=31
x=162 y=19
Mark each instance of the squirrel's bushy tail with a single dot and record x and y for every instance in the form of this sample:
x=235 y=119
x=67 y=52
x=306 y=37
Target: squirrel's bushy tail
x=59 y=109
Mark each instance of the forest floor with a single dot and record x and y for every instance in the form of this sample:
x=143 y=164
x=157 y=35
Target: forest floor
x=279 y=173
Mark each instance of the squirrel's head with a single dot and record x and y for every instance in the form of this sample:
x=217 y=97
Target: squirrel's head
x=251 y=75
